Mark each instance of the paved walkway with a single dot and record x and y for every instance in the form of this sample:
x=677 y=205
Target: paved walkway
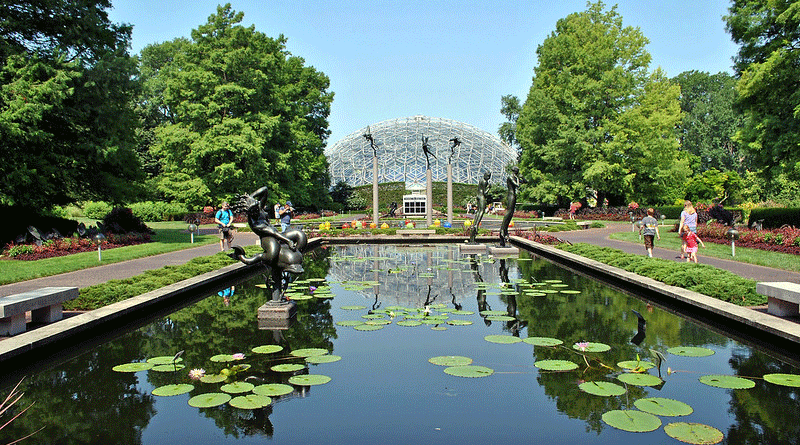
x=600 y=237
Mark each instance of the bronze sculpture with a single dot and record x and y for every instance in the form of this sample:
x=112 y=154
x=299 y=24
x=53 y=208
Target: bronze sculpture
x=282 y=253
x=427 y=150
x=512 y=182
x=483 y=186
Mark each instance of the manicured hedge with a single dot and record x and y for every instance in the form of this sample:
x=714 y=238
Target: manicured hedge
x=775 y=217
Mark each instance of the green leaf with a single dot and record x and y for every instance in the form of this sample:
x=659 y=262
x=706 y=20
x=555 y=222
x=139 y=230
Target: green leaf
x=319 y=359
x=133 y=367
x=309 y=352
x=368 y=327
x=209 y=400
x=469 y=371
x=409 y=323
x=502 y=339
x=694 y=433
x=592 y=347
x=690 y=351
x=349 y=323
x=163 y=360
x=727 y=381
x=792 y=380
x=450 y=360
x=639 y=379
x=663 y=407
x=631 y=420
x=555 y=365
x=273 y=389
x=237 y=387
x=172 y=390
x=458 y=322
x=250 y=401
x=636 y=365
x=267 y=349
x=287 y=367
x=167 y=368
x=213 y=378
x=606 y=389
x=543 y=341
x=353 y=308
x=309 y=379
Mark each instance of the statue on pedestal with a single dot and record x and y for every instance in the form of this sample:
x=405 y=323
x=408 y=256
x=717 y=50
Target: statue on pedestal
x=282 y=253
x=512 y=182
x=483 y=186
x=427 y=150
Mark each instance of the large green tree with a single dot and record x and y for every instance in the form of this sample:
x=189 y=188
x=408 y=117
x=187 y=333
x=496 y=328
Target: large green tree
x=232 y=110
x=710 y=120
x=66 y=124
x=510 y=107
x=595 y=118
x=768 y=63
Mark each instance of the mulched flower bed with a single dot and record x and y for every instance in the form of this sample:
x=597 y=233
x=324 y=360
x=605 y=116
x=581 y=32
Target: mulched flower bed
x=68 y=246
x=786 y=240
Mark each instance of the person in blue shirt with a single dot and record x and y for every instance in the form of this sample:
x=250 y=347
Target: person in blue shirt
x=286 y=213
x=224 y=220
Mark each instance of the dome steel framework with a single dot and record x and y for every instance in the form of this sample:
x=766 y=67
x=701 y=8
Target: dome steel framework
x=401 y=159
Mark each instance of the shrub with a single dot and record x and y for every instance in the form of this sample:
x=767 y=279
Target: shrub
x=775 y=217
x=122 y=220
x=157 y=211
x=96 y=209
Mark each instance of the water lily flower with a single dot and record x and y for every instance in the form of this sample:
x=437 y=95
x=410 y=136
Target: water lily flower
x=427 y=310
x=238 y=356
x=197 y=374
x=391 y=314
x=312 y=289
x=582 y=345
x=669 y=371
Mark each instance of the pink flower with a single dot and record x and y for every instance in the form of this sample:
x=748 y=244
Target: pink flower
x=312 y=288
x=582 y=345
x=238 y=356
x=197 y=374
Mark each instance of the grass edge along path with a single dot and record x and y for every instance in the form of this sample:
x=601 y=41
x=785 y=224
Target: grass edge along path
x=702 y=278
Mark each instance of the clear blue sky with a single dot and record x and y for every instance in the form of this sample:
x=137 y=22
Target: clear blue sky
x=447 y=59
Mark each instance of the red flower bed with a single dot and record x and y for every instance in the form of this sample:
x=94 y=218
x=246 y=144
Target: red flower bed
x=777 y=240
x=68 y=246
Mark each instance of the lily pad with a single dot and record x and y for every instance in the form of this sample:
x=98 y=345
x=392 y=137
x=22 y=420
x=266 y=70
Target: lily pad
x=353 y=308
x=273 y=389
x=213 y=378
x=318 y=359
x=309 y=352
x=309 y=379
x=632 y=420
x=459 y=322
x=164 y=360
x=237 y=387
x=349 y=323
x=372 y=316
x=663 y=407
x=543 y=341
x=500 y=318
x=783 y=379
x=209 y=400
x=450 y=360
x=502 y=339
x=168 y=368
x=368 y=327
x=636 y=366
x=694 y=433
x=222 y=358
x=555 y=365
x=569 y=291
x=409 y=323
x=132 y=367
x=605 y=389
x=690 y=351
x=267 y=349
x=727 y=381
x=487 y=313
x=287 y=367
x=559 y=285
x=462 y=312
x=469 y=371
x=250 y=401
x=301 y=297
x=172 y=390
x=591 y=347
x=639 y=379
x=534 y=294
x=552 y=281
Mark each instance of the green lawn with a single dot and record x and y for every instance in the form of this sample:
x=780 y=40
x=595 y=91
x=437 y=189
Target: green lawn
x=671 y=240
x=169 y=237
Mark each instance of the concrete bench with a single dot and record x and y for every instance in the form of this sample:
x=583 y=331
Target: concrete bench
x=583 y=224
x=45 y=305
x=409 y=232
x=552 y=218
x=783 y=298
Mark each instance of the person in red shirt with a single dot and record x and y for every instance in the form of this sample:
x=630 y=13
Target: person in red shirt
x=691 y=239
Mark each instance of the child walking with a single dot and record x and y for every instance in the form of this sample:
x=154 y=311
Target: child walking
x=649 y=230
x=691 y=239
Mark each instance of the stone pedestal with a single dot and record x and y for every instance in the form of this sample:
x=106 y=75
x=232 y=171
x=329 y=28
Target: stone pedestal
x=277 y=310
x=504 y=251
x=469 y=249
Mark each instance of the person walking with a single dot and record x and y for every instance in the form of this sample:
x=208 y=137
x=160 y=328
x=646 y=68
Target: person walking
x=286 y=213
x=224 y=220
x=688 y=219
x=649 y=229
x=691 y=240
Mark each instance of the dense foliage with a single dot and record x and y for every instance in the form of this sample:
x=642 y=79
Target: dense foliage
x=232 y=110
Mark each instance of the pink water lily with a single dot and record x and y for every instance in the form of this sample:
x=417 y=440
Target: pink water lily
x=312 y=288
x=197 y=373
x=582 y=345
x=238 y=356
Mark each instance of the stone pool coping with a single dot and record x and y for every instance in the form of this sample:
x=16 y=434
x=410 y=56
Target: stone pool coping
x=71 y=332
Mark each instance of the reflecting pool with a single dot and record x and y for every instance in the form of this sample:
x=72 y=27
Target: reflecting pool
x=419 y=345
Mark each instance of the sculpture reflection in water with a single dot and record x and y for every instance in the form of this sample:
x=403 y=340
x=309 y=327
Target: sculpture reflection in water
x=483 y=306
x=516 y=324
x=282 y=253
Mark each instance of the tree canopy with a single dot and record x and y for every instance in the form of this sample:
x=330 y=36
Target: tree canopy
x=768 y=63
x=232 y=110
x=595 y=118
x=66 y=127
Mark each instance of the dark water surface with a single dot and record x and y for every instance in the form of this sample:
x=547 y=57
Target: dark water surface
x=384 y=390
